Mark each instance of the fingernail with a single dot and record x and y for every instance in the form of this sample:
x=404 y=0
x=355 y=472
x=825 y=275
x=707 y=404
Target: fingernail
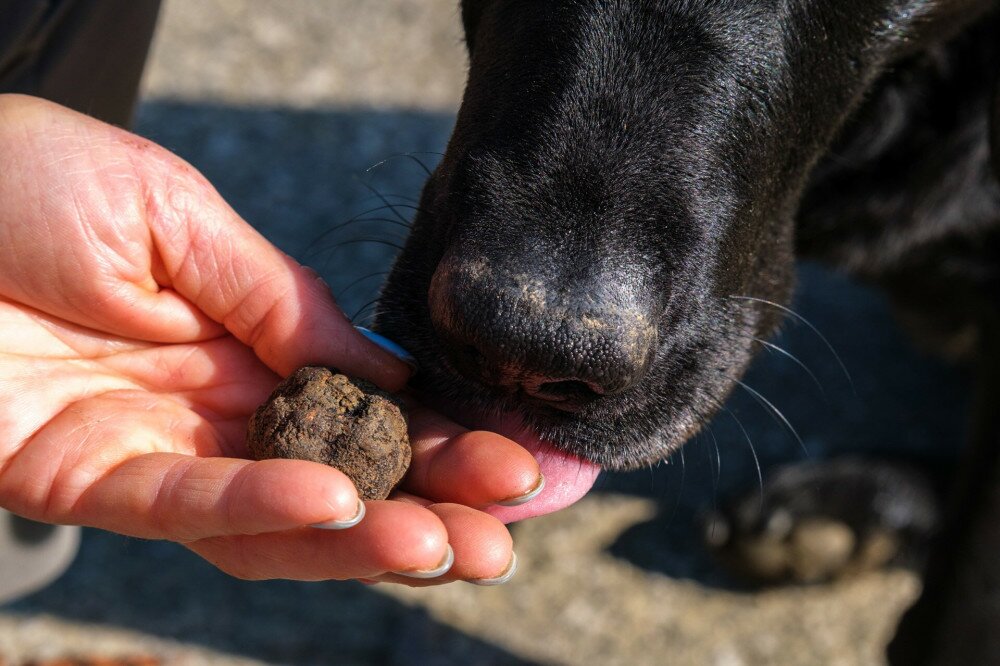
x=528 y=496
x=388 y=345
x=343 y=524
x=507 y=574
x=440 y=570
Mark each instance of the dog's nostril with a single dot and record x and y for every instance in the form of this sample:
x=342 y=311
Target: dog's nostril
x=566 y=390
x=567 y=341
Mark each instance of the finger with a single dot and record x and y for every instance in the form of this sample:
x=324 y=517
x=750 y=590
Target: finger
x=482 y=545
x=475 y=468
x=184 y=498
x=394 y=536
x=146 y=466
x=75 y=242
x=198 y=263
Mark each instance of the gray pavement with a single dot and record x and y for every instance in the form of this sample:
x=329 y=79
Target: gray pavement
x=284 y=105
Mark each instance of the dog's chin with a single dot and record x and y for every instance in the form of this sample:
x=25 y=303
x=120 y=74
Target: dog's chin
x=615 y=443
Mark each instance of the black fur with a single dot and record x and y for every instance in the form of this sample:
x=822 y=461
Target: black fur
x=630 y=180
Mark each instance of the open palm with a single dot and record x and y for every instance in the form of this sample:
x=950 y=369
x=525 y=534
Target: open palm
x=142 y=321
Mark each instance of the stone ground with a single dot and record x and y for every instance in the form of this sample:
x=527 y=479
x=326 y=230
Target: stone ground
x=285 y=104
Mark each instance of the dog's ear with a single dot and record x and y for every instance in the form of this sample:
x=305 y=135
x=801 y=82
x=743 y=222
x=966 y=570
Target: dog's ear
x=472 y=10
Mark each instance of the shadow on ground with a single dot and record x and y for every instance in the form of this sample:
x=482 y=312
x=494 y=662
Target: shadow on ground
x=161 y=589
x=297 y=174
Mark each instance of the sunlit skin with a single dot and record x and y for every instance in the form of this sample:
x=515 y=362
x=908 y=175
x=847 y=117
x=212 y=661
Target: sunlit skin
x=142 y=321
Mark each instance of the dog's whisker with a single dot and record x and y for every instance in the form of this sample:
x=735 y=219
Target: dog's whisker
x=317 y=243
x=413 y=157
x=436 y=153
x=366 y=321
x=772 y=347
x=393 y=207
x=409 y=155
x=404 y=201
x=720 y=407
x=391 y=196
x=354 y=241
x=358 y=281
x=775 y=412
x=369 y=304
x=717 y=478
x=789 y=355
x=680 y=493
x=390 y=158
x=809 y=324
x=756 y=460
x=387 y=220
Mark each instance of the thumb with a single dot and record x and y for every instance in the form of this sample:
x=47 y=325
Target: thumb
x=280 y=308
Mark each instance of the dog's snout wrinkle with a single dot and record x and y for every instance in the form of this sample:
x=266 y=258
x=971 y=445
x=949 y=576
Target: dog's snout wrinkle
x=562 y=344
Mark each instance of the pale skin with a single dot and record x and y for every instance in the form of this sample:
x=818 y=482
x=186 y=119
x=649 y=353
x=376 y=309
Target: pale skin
x=142 y=321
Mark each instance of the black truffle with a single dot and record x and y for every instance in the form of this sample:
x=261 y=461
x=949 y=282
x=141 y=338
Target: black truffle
x=320 y=415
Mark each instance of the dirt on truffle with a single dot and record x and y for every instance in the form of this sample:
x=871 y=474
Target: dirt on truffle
x=321 y=415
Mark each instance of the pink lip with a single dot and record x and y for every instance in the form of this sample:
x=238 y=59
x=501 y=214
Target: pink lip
x=567 y=477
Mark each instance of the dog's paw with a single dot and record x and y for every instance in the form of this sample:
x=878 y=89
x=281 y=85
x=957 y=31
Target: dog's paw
x=817 y=522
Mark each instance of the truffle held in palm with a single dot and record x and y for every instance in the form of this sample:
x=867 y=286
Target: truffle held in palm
x=321 y=415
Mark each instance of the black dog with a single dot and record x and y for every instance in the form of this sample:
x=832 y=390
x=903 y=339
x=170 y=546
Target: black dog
x=614 y=224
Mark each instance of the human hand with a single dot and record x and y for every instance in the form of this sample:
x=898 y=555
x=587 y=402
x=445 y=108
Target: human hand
x=142 y=321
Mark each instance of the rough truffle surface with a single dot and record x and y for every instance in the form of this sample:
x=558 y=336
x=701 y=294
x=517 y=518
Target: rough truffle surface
x=320 y=415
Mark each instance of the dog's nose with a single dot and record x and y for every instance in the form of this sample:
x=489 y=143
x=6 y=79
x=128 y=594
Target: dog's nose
x=564 y=343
